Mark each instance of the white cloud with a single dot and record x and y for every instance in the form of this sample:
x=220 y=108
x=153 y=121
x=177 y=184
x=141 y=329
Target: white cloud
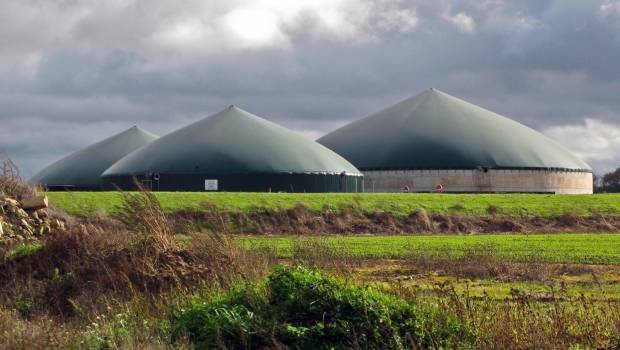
x=610 y=7
x=396 y=19
x=255 y=28
x=464 y=22
x=192 y=28
x=349 y=21
x=595 y=141
x=461 y=20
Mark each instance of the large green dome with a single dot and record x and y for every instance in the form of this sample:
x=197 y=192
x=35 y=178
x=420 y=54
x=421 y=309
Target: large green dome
x=232 y=141
x=82 y=169
x=434 y=130
x=240 y=152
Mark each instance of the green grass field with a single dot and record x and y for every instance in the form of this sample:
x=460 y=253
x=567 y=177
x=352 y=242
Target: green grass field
x=399 y=204
x=561 y=248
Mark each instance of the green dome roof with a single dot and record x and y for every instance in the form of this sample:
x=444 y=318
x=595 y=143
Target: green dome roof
x=434 y=130
x=232 y=141
x=84 y=168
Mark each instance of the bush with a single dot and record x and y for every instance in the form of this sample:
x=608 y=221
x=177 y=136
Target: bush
x=304 y=309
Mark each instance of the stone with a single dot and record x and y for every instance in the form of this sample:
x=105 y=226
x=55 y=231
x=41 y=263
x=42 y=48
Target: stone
x=34 y=202
x=58 y=224
x=11 y=202
x=42 y=213
x=24 y=223
x=44 y=229
x=21 y=213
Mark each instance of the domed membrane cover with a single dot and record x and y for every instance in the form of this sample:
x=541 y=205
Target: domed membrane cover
x=232 y=141
x=434 y=130
x=83 y=168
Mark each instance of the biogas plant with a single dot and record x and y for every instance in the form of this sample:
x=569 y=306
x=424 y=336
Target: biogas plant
x=432 y=142
x=437 y=141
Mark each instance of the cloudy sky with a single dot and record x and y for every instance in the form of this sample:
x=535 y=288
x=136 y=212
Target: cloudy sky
x=73 y=72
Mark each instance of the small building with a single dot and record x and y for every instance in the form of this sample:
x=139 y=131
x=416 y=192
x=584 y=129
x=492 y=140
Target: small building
x=234 y=150
x=437 y=142
x=81 y=171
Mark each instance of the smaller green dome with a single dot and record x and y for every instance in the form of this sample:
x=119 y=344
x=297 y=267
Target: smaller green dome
x=83 y=169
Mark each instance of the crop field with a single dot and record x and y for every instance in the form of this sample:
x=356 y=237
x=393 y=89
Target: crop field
x=143 y=273
x=557 y=248
x=595 y=282
x=399 y=204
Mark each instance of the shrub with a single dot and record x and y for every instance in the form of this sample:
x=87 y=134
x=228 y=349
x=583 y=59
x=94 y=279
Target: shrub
x=305 y=309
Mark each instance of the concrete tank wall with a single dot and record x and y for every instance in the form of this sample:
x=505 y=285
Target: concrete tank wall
x=493 y=180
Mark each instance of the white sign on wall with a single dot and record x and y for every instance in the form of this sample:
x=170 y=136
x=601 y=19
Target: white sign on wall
x=211 y=185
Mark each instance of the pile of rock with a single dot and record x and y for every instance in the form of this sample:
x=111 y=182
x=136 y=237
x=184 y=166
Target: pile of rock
x=26 y=219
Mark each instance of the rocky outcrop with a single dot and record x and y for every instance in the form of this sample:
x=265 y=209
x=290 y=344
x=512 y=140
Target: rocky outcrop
x=26 y=219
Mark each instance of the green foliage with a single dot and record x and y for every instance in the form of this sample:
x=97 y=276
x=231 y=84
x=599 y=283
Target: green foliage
x=588 y=248
x=104 y=333
x=224 y=321
x=25 y=307
x=23 y=250
x=399 y=204
x=611 y=181
x=305 y=309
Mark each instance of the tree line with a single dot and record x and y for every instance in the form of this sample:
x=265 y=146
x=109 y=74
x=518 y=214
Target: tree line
x=609 y=182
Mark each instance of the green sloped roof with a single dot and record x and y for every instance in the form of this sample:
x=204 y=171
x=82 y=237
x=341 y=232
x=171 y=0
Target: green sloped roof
x=84 y=168
x=434 y=130
x=232 y=141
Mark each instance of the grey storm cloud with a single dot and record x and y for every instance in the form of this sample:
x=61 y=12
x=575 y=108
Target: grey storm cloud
x=75 y=72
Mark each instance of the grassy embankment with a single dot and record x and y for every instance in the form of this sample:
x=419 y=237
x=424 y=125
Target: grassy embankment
x=399 y=204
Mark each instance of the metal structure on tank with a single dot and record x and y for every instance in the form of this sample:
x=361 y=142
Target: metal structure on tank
x=234 y=150
x=436 y=141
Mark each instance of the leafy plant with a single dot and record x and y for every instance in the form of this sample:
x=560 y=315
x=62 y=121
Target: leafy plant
x=305 y=309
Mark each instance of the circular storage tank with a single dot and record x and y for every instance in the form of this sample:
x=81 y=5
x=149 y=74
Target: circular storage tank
x=81 y=171
x=435 y=141
x=234 y=150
